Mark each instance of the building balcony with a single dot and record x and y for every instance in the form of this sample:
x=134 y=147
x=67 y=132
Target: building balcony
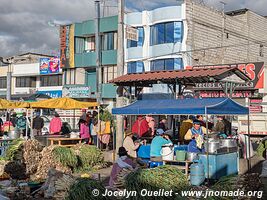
x=109 y=91
x=85 y=59
x=89 y=59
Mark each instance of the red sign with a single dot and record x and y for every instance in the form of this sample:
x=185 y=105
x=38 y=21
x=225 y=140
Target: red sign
x=216 y=93
x=252 y=70
x=253 y=107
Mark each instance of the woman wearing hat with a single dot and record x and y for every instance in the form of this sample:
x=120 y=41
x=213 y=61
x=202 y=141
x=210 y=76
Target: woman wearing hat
x=130 y=144
x=161 y=139
x=122 y=162
x=195 y=134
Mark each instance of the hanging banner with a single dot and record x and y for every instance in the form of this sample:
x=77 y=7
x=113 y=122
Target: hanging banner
x=67 y=46
x=49 y=65
x=254 y=70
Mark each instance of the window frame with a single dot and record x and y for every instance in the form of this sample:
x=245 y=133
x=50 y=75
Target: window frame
x=56 y=80
x=134 y=64
x=175 y=62
x=156 y=31
x=3 y=82
x=26 y=82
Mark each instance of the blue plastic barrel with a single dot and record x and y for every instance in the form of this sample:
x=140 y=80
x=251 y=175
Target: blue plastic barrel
x=197 y=175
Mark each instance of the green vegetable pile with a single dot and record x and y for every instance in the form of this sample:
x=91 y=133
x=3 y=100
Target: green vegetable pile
x=261 y=150
x=82 y=190
x=79 y=158
x=89 y=157
x=14 y=151
x=226 y=183
x=164 y=177
x=66 y=156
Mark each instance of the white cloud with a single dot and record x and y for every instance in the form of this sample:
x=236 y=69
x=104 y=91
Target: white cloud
x=24 y=23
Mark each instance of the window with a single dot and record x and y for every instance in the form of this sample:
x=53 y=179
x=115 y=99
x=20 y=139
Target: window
x=79 y=44
x=135 y=67
x=69 y=76
x=167 y=64
x=90 y=44
x=109 y=41
x=169 y=32
x=3 y=82
x=109 y=73
x=26 y=82
x=140 y=42
x=53 y=80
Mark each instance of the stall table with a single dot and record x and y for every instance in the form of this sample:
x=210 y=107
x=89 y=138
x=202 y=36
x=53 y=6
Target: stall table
x=184 y=165
x=60 y=140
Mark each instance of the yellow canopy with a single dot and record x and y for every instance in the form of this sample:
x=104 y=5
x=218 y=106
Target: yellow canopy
x=5 y=104
x=64 y=103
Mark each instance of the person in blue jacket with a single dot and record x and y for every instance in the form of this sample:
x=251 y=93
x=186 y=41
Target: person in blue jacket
x=192 y=134
x=161 y=139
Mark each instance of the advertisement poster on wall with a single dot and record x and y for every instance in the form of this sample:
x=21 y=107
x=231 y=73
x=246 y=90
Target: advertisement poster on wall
x=49 y=65
x=67 y=46
x=254 y=70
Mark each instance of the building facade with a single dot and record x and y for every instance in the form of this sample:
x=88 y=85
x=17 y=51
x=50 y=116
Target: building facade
x=79 y=59
x=194 y=35
x=160 y=33
x=32 y=73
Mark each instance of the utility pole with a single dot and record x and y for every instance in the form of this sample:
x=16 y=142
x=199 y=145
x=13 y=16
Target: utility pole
x=98 y=56
x=120 y=69
x=9 y=62
x=98 y=63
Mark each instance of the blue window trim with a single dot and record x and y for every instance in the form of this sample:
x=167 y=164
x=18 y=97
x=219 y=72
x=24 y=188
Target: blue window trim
x=167 y=64
x=135 y=67
x=159 y=33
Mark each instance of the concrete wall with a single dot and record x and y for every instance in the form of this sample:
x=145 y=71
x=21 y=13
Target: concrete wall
x=240 y=42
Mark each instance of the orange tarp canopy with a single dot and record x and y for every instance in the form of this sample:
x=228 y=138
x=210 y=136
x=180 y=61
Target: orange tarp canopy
x=64 y=103
x=5 y=104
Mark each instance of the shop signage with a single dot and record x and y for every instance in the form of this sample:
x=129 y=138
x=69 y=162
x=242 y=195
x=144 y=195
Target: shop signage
x=252 y=70
x=76 y=92
x=67 y=46
x=217 y=93
x=53 y=93
x=49 y=65
x=255 y=106
x=131 y=33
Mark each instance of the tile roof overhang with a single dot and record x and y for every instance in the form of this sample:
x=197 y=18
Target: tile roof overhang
x=184 y=77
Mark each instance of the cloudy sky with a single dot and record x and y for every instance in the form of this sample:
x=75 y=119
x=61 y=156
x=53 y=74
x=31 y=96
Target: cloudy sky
x=25 y=25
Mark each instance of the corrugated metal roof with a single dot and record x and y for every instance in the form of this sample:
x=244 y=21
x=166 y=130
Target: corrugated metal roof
x=185 y=77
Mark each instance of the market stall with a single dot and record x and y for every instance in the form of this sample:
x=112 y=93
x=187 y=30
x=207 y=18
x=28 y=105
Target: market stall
x=64 y=103
x=206 y=106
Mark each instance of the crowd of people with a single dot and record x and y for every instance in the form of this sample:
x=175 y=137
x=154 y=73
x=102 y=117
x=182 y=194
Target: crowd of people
x=89 y=131
x=191 y=132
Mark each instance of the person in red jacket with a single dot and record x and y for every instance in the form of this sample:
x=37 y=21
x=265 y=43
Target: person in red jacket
x=141 y=127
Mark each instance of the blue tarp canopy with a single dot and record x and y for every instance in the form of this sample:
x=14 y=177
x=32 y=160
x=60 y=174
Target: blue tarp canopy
x=216 y=106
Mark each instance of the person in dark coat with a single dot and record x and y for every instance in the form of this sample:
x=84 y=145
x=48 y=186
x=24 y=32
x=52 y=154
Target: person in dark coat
x=38 y=124
x=14 y=119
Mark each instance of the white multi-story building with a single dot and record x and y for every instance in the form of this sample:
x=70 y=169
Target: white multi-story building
x=28 y=77
x=191 y=34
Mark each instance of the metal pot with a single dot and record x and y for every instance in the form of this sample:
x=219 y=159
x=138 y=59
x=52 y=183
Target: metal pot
x=13 y=134
x=212 y=147
x=190 y=156
x=228 y=143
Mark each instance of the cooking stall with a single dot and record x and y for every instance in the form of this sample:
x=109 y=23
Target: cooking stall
x=221 y=155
